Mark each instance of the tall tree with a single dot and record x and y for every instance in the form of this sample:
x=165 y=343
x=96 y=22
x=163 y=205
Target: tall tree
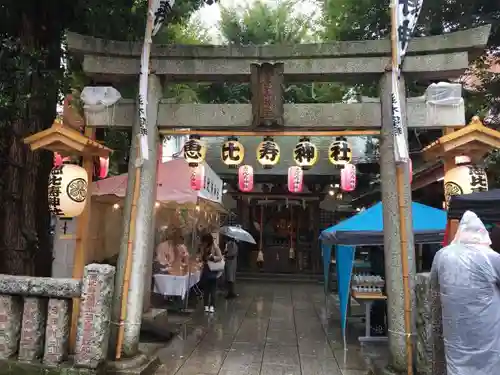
x=262 y=23
x=31 y=80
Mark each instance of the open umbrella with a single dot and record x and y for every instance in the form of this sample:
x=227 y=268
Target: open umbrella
x=237 y=233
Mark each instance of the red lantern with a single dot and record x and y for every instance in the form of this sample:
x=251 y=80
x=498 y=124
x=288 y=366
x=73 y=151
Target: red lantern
x=103 y=167
x=348 y=178
x=245 y=178
x=295 y=179
x=197 y=177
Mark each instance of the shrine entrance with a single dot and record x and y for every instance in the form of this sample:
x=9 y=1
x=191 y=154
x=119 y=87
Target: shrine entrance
x=294 y=215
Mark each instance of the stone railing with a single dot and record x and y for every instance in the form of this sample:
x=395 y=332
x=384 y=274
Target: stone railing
x=35 y=318
x=430 y=345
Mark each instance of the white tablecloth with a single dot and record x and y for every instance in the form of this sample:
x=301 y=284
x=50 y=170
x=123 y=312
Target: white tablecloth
x=171 y=285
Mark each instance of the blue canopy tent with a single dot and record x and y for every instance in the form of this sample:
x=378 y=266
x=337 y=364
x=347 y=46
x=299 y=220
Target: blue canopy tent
x=367 y=229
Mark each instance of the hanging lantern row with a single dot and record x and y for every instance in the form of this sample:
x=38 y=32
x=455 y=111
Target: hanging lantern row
x=305 y=153
x=67 y=192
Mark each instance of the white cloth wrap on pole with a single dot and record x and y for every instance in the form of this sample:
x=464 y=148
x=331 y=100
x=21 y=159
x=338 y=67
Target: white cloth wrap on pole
x=407 y=12
x=400 y=146
x=143 y=86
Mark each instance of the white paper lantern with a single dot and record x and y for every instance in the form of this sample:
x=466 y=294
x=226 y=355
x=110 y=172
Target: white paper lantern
x=464 y=179
x=68 y=187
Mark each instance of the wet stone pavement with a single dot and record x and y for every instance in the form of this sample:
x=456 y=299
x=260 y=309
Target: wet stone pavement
x=271 y=329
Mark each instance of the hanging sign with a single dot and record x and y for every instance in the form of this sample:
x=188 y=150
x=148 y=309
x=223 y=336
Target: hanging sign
x=407 y=17
x=348 y=178
x=67 y=192
x=295 y=179
x=268 y=153
x=232 y=153
x=245 y=178
x=212 y=187
x=340 y=152
x=194 y=151
x=160 y=9
x=401 y=154
x=305 y=153
x=464 y=179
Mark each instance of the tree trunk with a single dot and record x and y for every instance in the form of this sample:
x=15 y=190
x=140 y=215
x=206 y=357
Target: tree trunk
x=35 y=71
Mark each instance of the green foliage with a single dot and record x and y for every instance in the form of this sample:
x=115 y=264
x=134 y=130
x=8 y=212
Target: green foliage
x=263 y=23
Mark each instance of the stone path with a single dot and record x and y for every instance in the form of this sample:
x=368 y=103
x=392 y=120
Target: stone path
x=277 y=329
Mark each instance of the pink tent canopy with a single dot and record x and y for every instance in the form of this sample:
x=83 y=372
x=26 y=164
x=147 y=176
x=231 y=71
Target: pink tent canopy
x=173 y=181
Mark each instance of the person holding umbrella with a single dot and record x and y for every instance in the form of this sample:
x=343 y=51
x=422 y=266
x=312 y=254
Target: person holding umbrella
x=231 y=253
x=235 y=234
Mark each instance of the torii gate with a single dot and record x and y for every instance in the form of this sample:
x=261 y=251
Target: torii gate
x=266 y=68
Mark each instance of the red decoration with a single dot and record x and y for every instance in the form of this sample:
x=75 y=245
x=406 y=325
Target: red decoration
x=348 y=178
x=295 y=179
x=245 y=178
x=197 y=177
x=103 y=167
x=59 y=160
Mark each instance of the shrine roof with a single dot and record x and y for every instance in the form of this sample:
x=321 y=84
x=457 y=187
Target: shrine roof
x=66 y=141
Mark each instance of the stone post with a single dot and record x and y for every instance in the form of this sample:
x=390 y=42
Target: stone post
x=57 y=331
x=430 y=344
x=33 y=329
x=392 y=230
x=11 y=308
x=143 y=241
x=95 y=311
x=122 y=256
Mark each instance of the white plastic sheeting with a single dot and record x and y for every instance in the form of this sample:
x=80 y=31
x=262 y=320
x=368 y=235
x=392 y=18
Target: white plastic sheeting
x=468 y=271
x=99 y=101
x=445 y=104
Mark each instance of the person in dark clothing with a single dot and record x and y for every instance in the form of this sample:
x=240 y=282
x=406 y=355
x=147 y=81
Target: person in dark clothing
x=209 y=252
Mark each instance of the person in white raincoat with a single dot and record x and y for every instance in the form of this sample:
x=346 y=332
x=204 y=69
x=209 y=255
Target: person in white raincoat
x=468 y=272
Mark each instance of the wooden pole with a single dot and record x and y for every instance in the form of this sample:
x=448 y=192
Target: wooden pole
x=402 y=209
x=248 y=133
x=81 y=242
x=128 y=263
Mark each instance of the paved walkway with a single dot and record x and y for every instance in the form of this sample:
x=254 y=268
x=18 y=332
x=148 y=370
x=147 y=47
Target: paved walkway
x=277 y=329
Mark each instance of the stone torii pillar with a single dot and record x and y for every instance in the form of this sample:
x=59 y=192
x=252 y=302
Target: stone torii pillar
x=392 y=229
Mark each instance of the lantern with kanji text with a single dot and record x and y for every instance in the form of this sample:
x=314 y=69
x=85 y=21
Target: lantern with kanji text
x=305 y=153
x=268 y=153
x=197 y=179
x=348 y=178
x=245 y=178
x=194 y=151
x=232 y=152
x=295 y=179
x=464 y=179
x=340 y=152
x=67 y=192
